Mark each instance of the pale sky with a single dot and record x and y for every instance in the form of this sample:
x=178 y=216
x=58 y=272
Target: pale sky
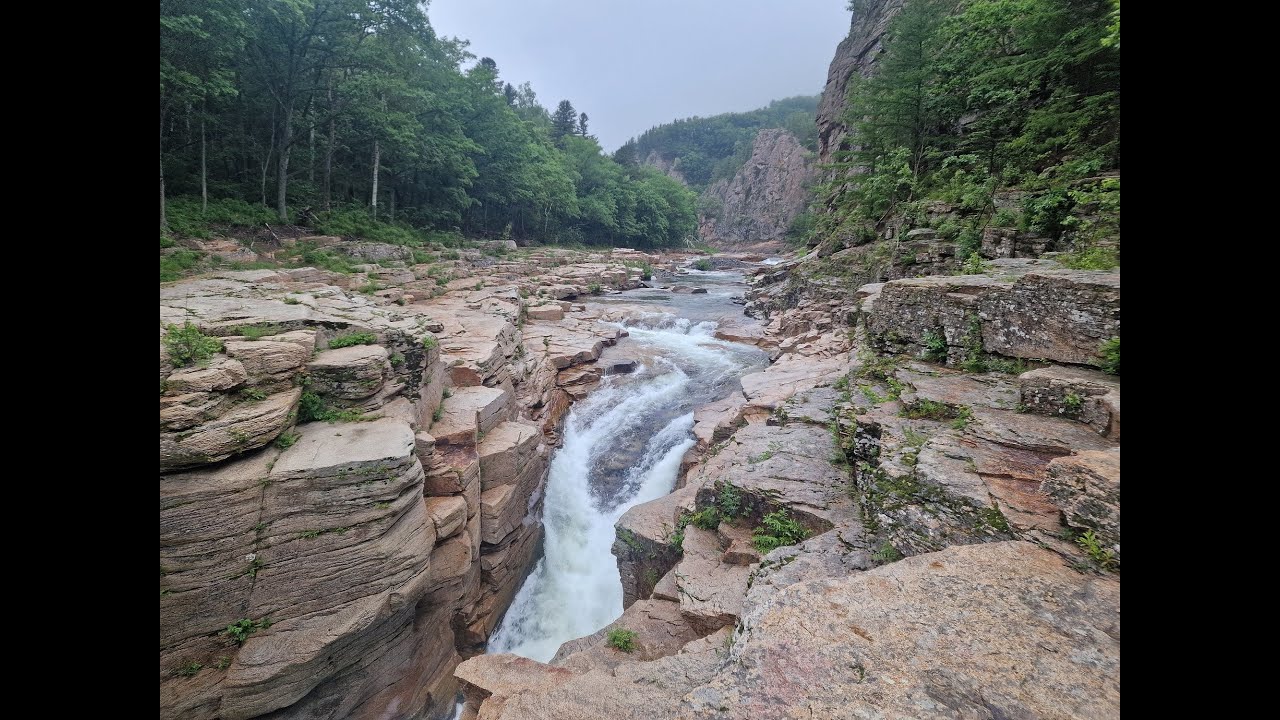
x=633 y=64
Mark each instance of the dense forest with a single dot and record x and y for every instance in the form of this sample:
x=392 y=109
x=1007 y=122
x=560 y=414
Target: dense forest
x=704 y=150
x=980 y=96
x=353 y=113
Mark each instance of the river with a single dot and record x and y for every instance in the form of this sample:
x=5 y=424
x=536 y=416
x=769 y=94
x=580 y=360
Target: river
x=622 y=446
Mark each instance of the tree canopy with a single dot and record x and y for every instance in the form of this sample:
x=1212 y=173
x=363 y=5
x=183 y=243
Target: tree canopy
x=331 y=105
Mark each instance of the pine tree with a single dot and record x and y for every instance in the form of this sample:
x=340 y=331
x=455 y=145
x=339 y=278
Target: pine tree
x=582 y=124
x=563 y=120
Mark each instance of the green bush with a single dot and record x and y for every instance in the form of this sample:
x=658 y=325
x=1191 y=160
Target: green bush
x=622 y=639
x=356 y=222
x=1094 y=258
x=240 y=630
x=187 y=345
x=935 y=346
x=177 y=264
x=1111 y=356
x=356 y=338
x=703 y=264
x=595 y=288
x=430 y=342
x=706 y=518
x=777 y=529
x=187 y=219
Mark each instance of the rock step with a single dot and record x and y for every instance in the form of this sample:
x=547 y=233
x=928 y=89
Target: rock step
x=469 y=412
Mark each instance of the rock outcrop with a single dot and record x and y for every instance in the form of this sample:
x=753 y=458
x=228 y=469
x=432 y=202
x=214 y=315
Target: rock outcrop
x=855 y=55
x=758 y=204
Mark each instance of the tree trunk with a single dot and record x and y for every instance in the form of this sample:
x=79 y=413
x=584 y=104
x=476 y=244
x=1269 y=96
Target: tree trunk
x=282 y=168
x=311 y=169
x=204 y=171
x=377 y=157
x=164 y=224
x=328 y=150
x=392 y=208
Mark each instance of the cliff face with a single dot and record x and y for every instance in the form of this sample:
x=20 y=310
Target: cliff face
x=857 y=53
x=762 y=199
x=343 y=568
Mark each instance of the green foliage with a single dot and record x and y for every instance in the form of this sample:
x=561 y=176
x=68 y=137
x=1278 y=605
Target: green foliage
x=773 y=448
x=178 y=264
x=978 y=95
x=253 y=394
x=224 y=662
x=704 y=150
x=1094 y=258
x=1092 y=546
x=186 y=219
x=935 y=346
x=240 y=630
x=429 y=342
x=729 y=501
x=187 y=345
x=397 y=359
x=311 y=407
x=437 y=413
x=1072 y=403
x=703 y=264
x=707 y=518
x=1110 y=353
x=189 y=669
x=355 y=338
x=311 y=256
x=886 y=554
x=257 y=332
x=287 y=439
x=622 y=639
x=963 y=416
x=357 y=223
x=777 y=529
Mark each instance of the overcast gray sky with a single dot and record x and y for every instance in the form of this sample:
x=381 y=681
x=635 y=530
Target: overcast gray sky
x=633 y=64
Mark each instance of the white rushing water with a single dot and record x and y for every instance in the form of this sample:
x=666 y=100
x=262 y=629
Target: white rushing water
x=622 y=446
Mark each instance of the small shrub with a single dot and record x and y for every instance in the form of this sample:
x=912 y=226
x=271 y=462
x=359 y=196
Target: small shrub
x=1094 y=258
x=224 y=662
x=429 y=341
x=886 y=554
x=189 y=670
x=287 y=439
x=621 y=639
x=240 y=630
x=963 y=416
x=1111 y=356
x=595 y=288
x=703 y=264
x=253 y=394
x=397 y=359
x=730 y=501
x=311 y=407
x=1072 y=403
x=775 y=530
x=707 y=518
x=370 y=287
x=187 y=345
x=356 y=338
x=174 y=265
x=437 y=414
x=290 y=300
x=973 y=265
x=1005 y=219
x=935 y=346
x=1092 y=546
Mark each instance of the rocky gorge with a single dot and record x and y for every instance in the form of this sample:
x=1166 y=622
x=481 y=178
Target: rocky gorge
x=422 y=481
x=874 y=473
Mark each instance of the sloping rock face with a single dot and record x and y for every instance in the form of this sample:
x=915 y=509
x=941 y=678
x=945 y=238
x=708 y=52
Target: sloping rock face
x=340 y=526
x=762 y=199
x=855 y=55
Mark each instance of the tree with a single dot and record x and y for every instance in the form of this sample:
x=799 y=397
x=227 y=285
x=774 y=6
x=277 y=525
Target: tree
x=564 y=120
x=582 y=124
